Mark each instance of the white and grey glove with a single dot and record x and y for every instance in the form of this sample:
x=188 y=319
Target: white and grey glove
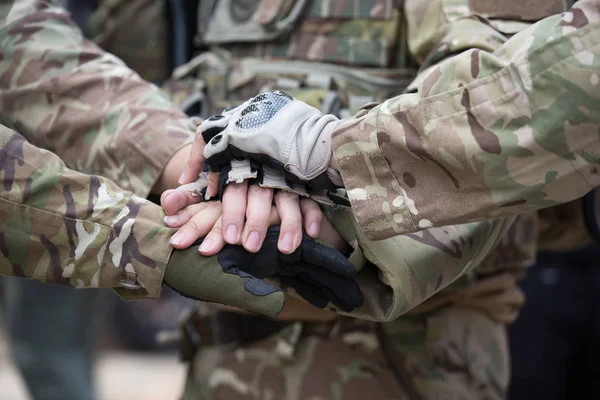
x=276 y=131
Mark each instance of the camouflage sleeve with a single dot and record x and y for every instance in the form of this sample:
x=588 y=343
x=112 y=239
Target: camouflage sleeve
x=487 y=135
x=60 y=226
x=64 y=94
x=405 y=270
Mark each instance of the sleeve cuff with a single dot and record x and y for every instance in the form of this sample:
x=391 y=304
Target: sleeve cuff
x=380 y=204
x=138 y=251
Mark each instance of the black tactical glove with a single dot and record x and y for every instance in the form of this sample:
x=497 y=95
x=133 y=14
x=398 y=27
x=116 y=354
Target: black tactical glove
x=318 y=272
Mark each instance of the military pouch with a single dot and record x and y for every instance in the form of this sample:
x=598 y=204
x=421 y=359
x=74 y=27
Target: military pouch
x=515 y=10
x=352 y=32
x=143 y=45
x=507 y=16
x=334 y=89
x=358 y=33
x=242 y=21
x=531 y=10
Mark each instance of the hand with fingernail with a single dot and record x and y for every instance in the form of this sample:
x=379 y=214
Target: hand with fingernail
x=316 y=270
x=246 y=208
x=243 y=217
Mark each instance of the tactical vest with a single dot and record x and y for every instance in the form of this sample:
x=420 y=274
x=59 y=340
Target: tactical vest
x=137 y=31
x=335 y=55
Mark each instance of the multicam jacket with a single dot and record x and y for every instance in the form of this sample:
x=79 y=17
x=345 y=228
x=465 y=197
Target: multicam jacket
x=504 y=127
x=340 y=55
x=410 y=268
x=63 y=94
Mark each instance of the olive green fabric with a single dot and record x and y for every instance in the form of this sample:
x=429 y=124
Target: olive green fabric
x=199 y=277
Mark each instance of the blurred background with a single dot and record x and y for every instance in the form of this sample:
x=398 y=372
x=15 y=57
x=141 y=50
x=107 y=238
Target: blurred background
x=120 y=336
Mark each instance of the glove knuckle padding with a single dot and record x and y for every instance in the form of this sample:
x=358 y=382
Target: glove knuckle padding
x=213 y=126
x=279 y=131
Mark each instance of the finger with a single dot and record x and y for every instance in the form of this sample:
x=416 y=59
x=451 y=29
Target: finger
x=327 y=257
x=195 y=160
x=213 y=242
x=174 y=200
x=312 y=217
x=328 y=234
x=505 y=315
x=213 y=184
x=197 y=226
x=183 y=216
x=274 y=218
x=288 y=207
x=234 y=211
x=490 y=285
x=165 y=194
x=513 y=297
x=258 y=212
x=490 y=302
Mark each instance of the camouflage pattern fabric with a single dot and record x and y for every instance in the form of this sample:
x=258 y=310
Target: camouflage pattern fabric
x=60 y=226
x=562 y=228
x=143 y=50
x=452 y=353
x=64 y=94
x=433 y=31
x=403 y=271
x=432 y=259
x=340 y=360
x=488 y=134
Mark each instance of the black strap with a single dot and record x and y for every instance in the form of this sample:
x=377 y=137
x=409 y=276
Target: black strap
x=224 y=328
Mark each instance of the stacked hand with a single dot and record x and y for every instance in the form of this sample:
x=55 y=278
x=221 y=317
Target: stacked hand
x=241 y=218
x=277 y=131
x=287 y=135
x=319 y=273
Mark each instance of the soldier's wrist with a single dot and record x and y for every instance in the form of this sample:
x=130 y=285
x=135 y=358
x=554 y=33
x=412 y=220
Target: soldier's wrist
x=169 y=177
x=333 y=164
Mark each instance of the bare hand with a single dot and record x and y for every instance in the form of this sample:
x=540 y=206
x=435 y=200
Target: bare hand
x=196 y=220
x=247 y=214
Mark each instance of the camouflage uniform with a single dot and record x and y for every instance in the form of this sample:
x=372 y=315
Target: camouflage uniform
x=475 y=121
x=442 y=254
x=400 y=157
x=67 y=96
x=61 y=226
x=42 y=83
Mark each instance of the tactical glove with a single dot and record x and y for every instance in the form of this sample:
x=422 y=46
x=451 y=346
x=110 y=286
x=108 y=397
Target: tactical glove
x=319 y=273
x=278 y=131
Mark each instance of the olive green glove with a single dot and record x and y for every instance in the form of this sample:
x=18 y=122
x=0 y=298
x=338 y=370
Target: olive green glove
x=204 y=278
x=319 y=273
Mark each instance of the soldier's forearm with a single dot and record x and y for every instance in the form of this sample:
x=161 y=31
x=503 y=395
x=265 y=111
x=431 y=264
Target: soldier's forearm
x=61 y=226
x=169 y=177
x=487 y=135
x=65 y=94
x=408 y=269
